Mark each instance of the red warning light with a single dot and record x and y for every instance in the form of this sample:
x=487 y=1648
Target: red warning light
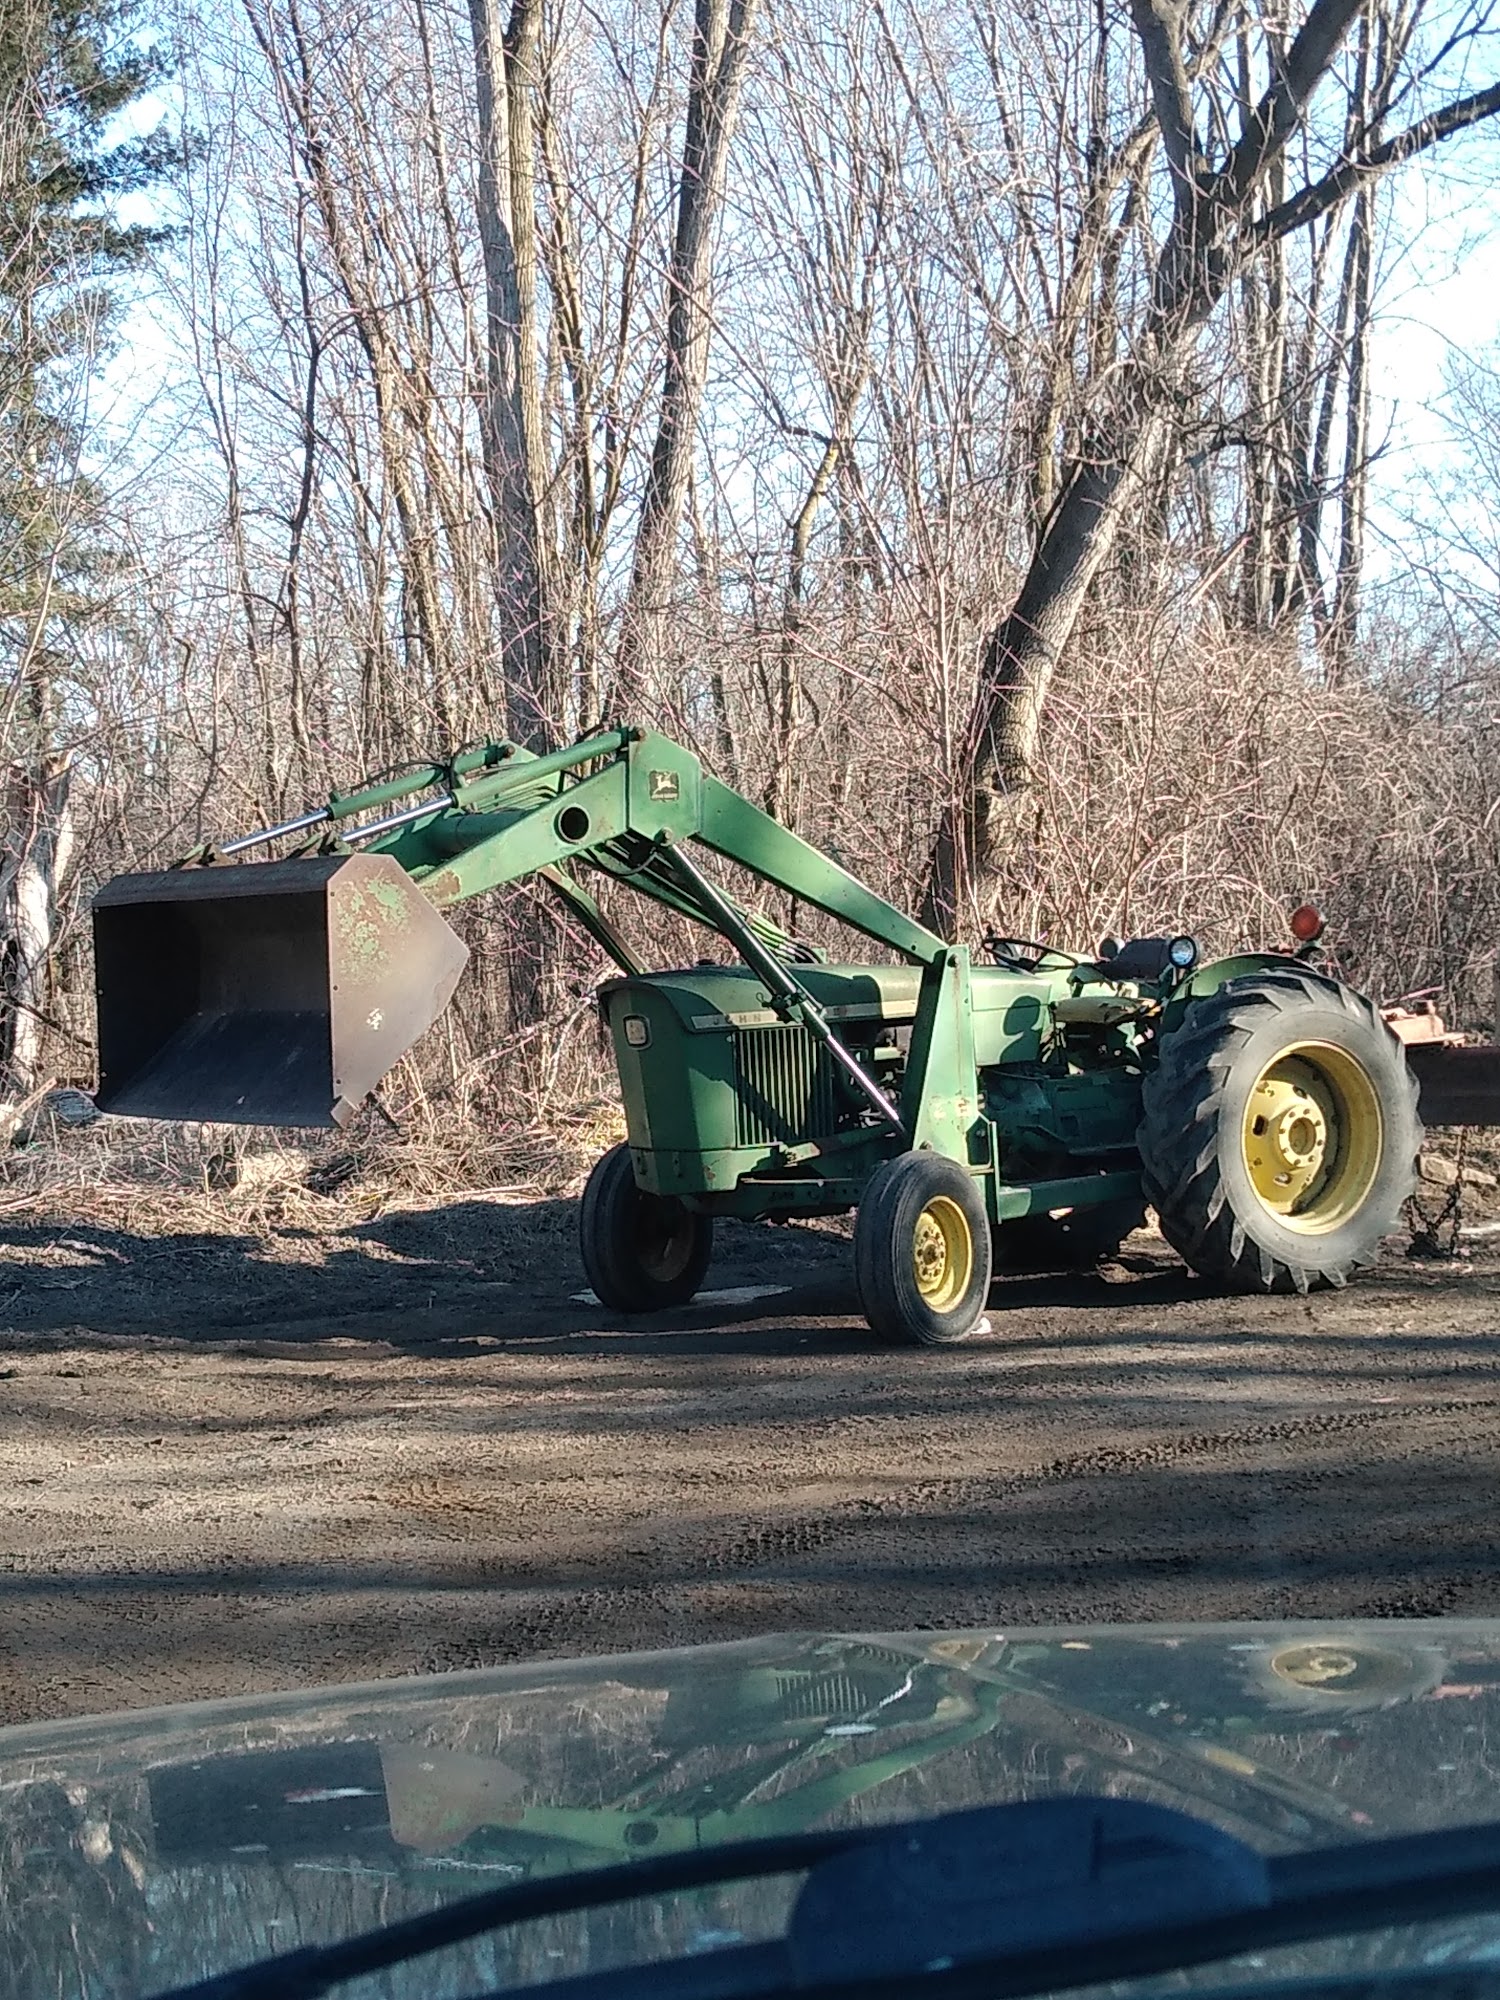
x=1307 y=923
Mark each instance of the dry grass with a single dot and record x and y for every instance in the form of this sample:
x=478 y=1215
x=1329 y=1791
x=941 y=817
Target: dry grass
x=150 y=1179
x=1192 y=779
x=522 y=1121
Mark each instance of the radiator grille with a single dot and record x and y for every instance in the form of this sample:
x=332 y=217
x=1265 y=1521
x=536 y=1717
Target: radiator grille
x=784 y=1087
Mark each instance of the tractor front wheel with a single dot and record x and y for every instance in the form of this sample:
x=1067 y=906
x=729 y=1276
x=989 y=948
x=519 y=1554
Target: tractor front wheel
x=922 y=1250
x=1279 y=1133
x=642 y=1252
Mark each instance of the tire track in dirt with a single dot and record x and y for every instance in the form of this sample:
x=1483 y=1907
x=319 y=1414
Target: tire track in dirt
x=777 y=1547
x=1103 y=1462
x=382 y=1487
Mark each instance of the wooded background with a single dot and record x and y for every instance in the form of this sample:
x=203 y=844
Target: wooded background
x=953 y=419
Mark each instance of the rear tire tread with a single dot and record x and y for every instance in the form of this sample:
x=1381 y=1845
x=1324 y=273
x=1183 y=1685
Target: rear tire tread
x=1180 y=1134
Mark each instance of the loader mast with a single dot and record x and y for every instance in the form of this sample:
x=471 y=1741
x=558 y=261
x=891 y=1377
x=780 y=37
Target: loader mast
x=279 y=992
x=619 y=802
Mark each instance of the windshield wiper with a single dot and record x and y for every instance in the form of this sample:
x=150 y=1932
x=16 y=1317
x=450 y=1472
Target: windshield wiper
x=1003 y=1900
x=313 y=1970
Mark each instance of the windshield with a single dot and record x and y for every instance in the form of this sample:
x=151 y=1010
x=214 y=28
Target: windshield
x=174 y=1844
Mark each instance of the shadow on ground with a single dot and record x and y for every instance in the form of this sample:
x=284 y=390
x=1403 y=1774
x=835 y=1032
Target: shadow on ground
x=476 y=1273
x=417 y=1278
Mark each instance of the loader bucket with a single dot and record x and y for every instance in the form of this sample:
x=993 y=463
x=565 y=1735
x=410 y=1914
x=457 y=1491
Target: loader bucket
x=264 y=993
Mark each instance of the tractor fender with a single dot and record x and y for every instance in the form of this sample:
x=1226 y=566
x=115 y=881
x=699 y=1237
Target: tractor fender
x=1206 y=979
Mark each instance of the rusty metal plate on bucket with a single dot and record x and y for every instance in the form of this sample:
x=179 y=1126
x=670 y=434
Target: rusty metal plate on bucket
x=264 y=993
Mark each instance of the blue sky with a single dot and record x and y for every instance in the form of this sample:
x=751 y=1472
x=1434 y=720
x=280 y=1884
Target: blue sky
x=1438 y=297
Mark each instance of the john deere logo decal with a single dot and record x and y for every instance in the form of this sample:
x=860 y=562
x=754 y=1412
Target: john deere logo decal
x=662 y=785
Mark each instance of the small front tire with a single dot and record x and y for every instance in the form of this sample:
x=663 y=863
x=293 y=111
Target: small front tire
x=922 y=1250
x=641 y=1252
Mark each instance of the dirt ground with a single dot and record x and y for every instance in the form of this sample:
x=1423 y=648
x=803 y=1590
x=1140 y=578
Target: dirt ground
x=241 y=1458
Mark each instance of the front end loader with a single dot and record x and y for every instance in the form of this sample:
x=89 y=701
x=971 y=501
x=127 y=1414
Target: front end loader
x=1017 y=1111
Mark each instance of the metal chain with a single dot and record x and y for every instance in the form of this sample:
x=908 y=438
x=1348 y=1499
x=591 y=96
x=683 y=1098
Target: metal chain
x=1437 y=1235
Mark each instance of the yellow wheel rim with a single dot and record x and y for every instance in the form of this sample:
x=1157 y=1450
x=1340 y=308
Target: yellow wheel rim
x=1312 y=1136
x=942 y=1253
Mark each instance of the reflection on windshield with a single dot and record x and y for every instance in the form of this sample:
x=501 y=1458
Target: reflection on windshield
x=146 y=1851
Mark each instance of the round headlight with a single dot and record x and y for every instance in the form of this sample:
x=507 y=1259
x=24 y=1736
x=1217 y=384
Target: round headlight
x=1183 y=953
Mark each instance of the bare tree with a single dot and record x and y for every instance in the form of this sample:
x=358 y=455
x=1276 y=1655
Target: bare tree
x=34 y=862
x=505 y=77
x=1218 y=174
x=721 y=42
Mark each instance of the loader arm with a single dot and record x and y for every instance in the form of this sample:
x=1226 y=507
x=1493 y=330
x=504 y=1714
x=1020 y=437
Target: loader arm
x=646 y=795
x=280 y=992
x=631 y=818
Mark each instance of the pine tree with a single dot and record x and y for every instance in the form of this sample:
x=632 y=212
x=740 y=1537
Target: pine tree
x=68 y=70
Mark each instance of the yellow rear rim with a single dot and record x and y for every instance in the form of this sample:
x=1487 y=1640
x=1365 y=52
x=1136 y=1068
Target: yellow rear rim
x=942 y=1253
x=1312 y=1136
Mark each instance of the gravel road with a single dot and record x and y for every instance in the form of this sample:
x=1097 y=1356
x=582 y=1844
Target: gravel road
x=234 y=1462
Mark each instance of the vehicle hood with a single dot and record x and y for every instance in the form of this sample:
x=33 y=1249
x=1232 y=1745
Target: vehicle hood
x=141 y=1850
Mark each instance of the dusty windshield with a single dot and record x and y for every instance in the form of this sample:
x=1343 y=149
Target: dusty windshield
x=190 y=1842
x=749 y=887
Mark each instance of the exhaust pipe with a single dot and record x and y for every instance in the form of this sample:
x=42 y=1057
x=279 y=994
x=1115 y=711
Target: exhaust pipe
x=267 y=992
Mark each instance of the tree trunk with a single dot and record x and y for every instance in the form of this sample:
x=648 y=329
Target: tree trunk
x=511 y=408
x=1343 y=631
x=978 y=834
x=791 y=698
x=721 y=44
x=38 y=846
x=511 y=438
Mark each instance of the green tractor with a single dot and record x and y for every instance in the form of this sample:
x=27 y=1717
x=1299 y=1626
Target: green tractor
x=1018 y=1112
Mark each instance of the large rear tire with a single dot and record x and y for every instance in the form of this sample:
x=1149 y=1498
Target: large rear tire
x=922 y=1250
x=642 y=1252
x=1279 y=1133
